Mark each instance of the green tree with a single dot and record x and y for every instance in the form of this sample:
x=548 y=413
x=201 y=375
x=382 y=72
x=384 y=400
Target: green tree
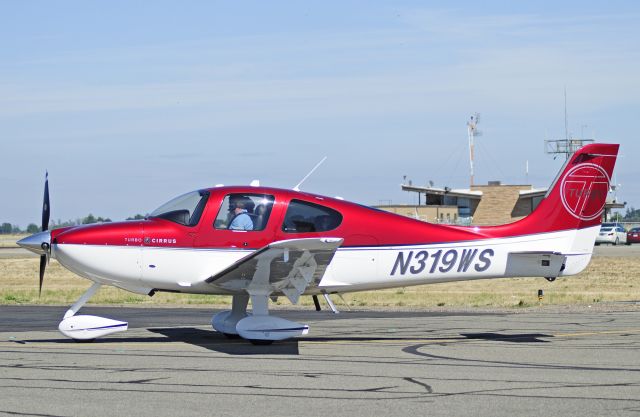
x=616 y=217
x=632 y=215
x=136 y=217
x=33 y=228
x=89 y=219
x=58 y=224
x=6 y=228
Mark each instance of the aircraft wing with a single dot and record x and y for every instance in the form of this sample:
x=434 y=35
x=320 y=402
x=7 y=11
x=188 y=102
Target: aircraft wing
x=286 y=266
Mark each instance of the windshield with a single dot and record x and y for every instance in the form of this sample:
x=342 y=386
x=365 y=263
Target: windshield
x=605 y=229
x=185 y=209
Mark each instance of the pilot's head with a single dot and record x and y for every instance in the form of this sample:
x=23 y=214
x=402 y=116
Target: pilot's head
x=236 y=203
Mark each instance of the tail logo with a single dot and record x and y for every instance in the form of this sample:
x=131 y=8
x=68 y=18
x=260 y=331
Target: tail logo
x=584 y=191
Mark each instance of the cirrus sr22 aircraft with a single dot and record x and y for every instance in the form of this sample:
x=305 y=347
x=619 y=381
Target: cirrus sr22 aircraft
x=256 y=243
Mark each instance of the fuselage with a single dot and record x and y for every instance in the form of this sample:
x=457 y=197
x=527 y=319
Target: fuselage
x=176 y=252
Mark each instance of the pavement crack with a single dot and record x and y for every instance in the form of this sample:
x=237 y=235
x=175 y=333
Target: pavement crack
x=422 y=384
x=15 y=413
x=143 y=381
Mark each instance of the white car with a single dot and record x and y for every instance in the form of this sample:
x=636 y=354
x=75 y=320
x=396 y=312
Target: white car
x=611 y=233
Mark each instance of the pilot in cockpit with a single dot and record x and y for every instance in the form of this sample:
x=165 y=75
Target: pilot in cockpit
x=239 y=217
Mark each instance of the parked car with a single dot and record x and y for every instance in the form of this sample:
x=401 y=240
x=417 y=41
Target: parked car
x=611 y=233
x=633 y=236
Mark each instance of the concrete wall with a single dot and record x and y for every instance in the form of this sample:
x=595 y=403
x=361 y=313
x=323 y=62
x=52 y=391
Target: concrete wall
x=498 y=203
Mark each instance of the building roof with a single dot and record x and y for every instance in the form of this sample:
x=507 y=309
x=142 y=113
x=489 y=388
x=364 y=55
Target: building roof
x=470 y=193
x=460 y=192
x=534 y=192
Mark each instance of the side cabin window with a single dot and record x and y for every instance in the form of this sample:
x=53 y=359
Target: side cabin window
x=305 y=217
x=245 y=212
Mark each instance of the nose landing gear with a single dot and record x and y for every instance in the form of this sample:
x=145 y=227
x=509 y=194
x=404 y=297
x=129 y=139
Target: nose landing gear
x=85 y=327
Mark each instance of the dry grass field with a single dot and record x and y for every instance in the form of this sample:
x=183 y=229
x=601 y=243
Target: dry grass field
x=9 y=241
x=606 y=279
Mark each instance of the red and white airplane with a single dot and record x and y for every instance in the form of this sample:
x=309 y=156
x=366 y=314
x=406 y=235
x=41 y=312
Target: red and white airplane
x=257 y=243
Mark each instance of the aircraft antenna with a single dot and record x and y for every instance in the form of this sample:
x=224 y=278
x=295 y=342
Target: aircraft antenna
x=297 y=187
x=472 y=131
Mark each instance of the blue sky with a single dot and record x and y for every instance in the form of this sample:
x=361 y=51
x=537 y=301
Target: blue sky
x=128 y=104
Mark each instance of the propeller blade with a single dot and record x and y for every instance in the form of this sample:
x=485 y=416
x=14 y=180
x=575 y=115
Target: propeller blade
x=46 y=212
x=45 y=207
x=43 y=265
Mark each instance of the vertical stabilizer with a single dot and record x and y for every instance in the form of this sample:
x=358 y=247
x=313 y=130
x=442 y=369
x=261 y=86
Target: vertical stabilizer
x=577 y=197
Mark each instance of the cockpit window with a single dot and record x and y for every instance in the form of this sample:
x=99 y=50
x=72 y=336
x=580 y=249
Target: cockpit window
x=185 y=209
x=305 y=217
x=248 y=212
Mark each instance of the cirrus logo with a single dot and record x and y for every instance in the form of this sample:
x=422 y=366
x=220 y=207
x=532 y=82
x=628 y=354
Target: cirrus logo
x=584 y=191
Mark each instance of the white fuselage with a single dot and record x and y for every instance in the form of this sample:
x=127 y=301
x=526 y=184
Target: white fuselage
x=143 y=269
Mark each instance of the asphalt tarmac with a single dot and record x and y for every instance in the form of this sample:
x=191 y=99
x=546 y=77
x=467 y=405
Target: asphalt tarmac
x=170 y=362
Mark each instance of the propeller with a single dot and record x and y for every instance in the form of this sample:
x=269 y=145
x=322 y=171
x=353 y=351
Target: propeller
x=46 y=212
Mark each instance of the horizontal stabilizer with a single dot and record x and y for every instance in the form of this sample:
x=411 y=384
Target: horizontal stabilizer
x=535 y=264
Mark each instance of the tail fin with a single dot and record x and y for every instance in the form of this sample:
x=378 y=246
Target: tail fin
x=577 y=197
x=572 y=207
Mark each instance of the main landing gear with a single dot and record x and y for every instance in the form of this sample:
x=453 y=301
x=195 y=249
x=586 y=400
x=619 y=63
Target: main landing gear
x=87 y=328
x=258 y=327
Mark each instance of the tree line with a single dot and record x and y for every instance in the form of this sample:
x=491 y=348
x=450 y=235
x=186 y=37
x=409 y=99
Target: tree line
x=8 y=228
x=631 y=215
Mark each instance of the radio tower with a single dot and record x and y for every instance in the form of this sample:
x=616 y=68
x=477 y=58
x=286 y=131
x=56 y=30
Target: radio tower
x=472 y=131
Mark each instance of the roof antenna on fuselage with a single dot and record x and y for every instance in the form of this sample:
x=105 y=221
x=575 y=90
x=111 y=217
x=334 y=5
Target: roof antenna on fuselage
x=297 y=187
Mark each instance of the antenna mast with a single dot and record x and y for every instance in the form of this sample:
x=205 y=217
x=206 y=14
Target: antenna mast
x=297 y=187
x=472 y=131
x=566 y=119
x=567 y=146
